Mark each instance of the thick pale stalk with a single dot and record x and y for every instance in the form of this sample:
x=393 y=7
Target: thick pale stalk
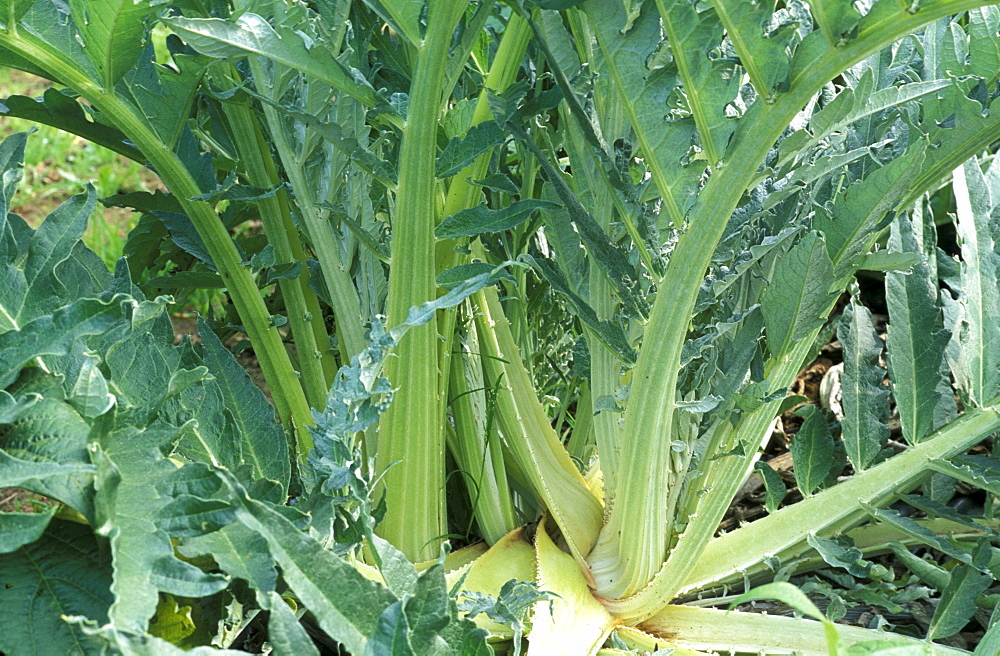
x=410 y=433
x=481 y=465
x=289 y=399
x=632 y=546
x=605 y=367
x=281 y=234
x=462 y=194
x=532 y=441
x=327 y=247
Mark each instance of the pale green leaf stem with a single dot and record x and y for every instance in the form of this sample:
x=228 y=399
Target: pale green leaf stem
x=410 y=433
x=290 y=401
x=461 y=195
x=633 y=543
x=528 y=432
x=304 y=315
x=112 y=32
x=476 y=442
x=832 y=510
x=336 y=273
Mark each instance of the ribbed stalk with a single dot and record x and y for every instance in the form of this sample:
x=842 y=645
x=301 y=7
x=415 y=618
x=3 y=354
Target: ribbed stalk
x=283 y=237
x=410 y=433
x=532 y=441
x=326 y=245
x=461 y=193
x=289 y=399
x=632 y=546
x=605 y=367
x=503 y=72
x=475 y=427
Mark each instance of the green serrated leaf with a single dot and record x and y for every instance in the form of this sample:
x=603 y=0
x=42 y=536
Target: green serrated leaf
x=861 y=207
x=838 y=19
x=812 y=453
x=851 y=105
x=498 y=182
x=865 y=399
x=45 y=452
x=65 y=572
x=461 y=151
x=774 y=487
x=841 y=553
x=978 y=373
x=131 y=466
x=926 y=571
x=285 y=633
x=61 y=110
x=345 y=604
x=172 y=622
x=916 y=338
x=252 y=35
x=19 y=529
x=642 y=95
x=611 y=259
x=958 y=599
x=241 y=553
x=188 y=516
x=55 y=334
x=609 y=333
x=799 y=294
x=164 y=95
x=762 y=53
x=935 y=508
x=889 y=261
x=480 y=219
x=392 y=633
x=262 y=439
x=112 y=32
x=456 y=275
x=981 y=471
x=710 y=83
x=915 y=530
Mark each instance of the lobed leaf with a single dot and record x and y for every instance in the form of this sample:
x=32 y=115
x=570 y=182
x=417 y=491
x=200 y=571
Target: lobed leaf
x=978 y=222
x=480 y=219
x=799 y=294
x=461 y=151
x=916 y=338
x=263 y=442
x=252 y=35
x=958 y=599
x=865 y=399
x=112 y=33
x=66 y=572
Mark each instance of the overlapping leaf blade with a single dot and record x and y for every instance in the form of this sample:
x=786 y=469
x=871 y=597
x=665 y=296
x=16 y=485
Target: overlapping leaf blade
x=799 y=295
x=112 y=33
x=643 y=94
x=709 y=85
x=65 y=573
x=979 y=230
x=865 y=399
x=251 y=34
x=916 y=337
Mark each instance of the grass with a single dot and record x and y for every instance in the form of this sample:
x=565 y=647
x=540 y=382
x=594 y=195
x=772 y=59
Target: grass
x=59 y=164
